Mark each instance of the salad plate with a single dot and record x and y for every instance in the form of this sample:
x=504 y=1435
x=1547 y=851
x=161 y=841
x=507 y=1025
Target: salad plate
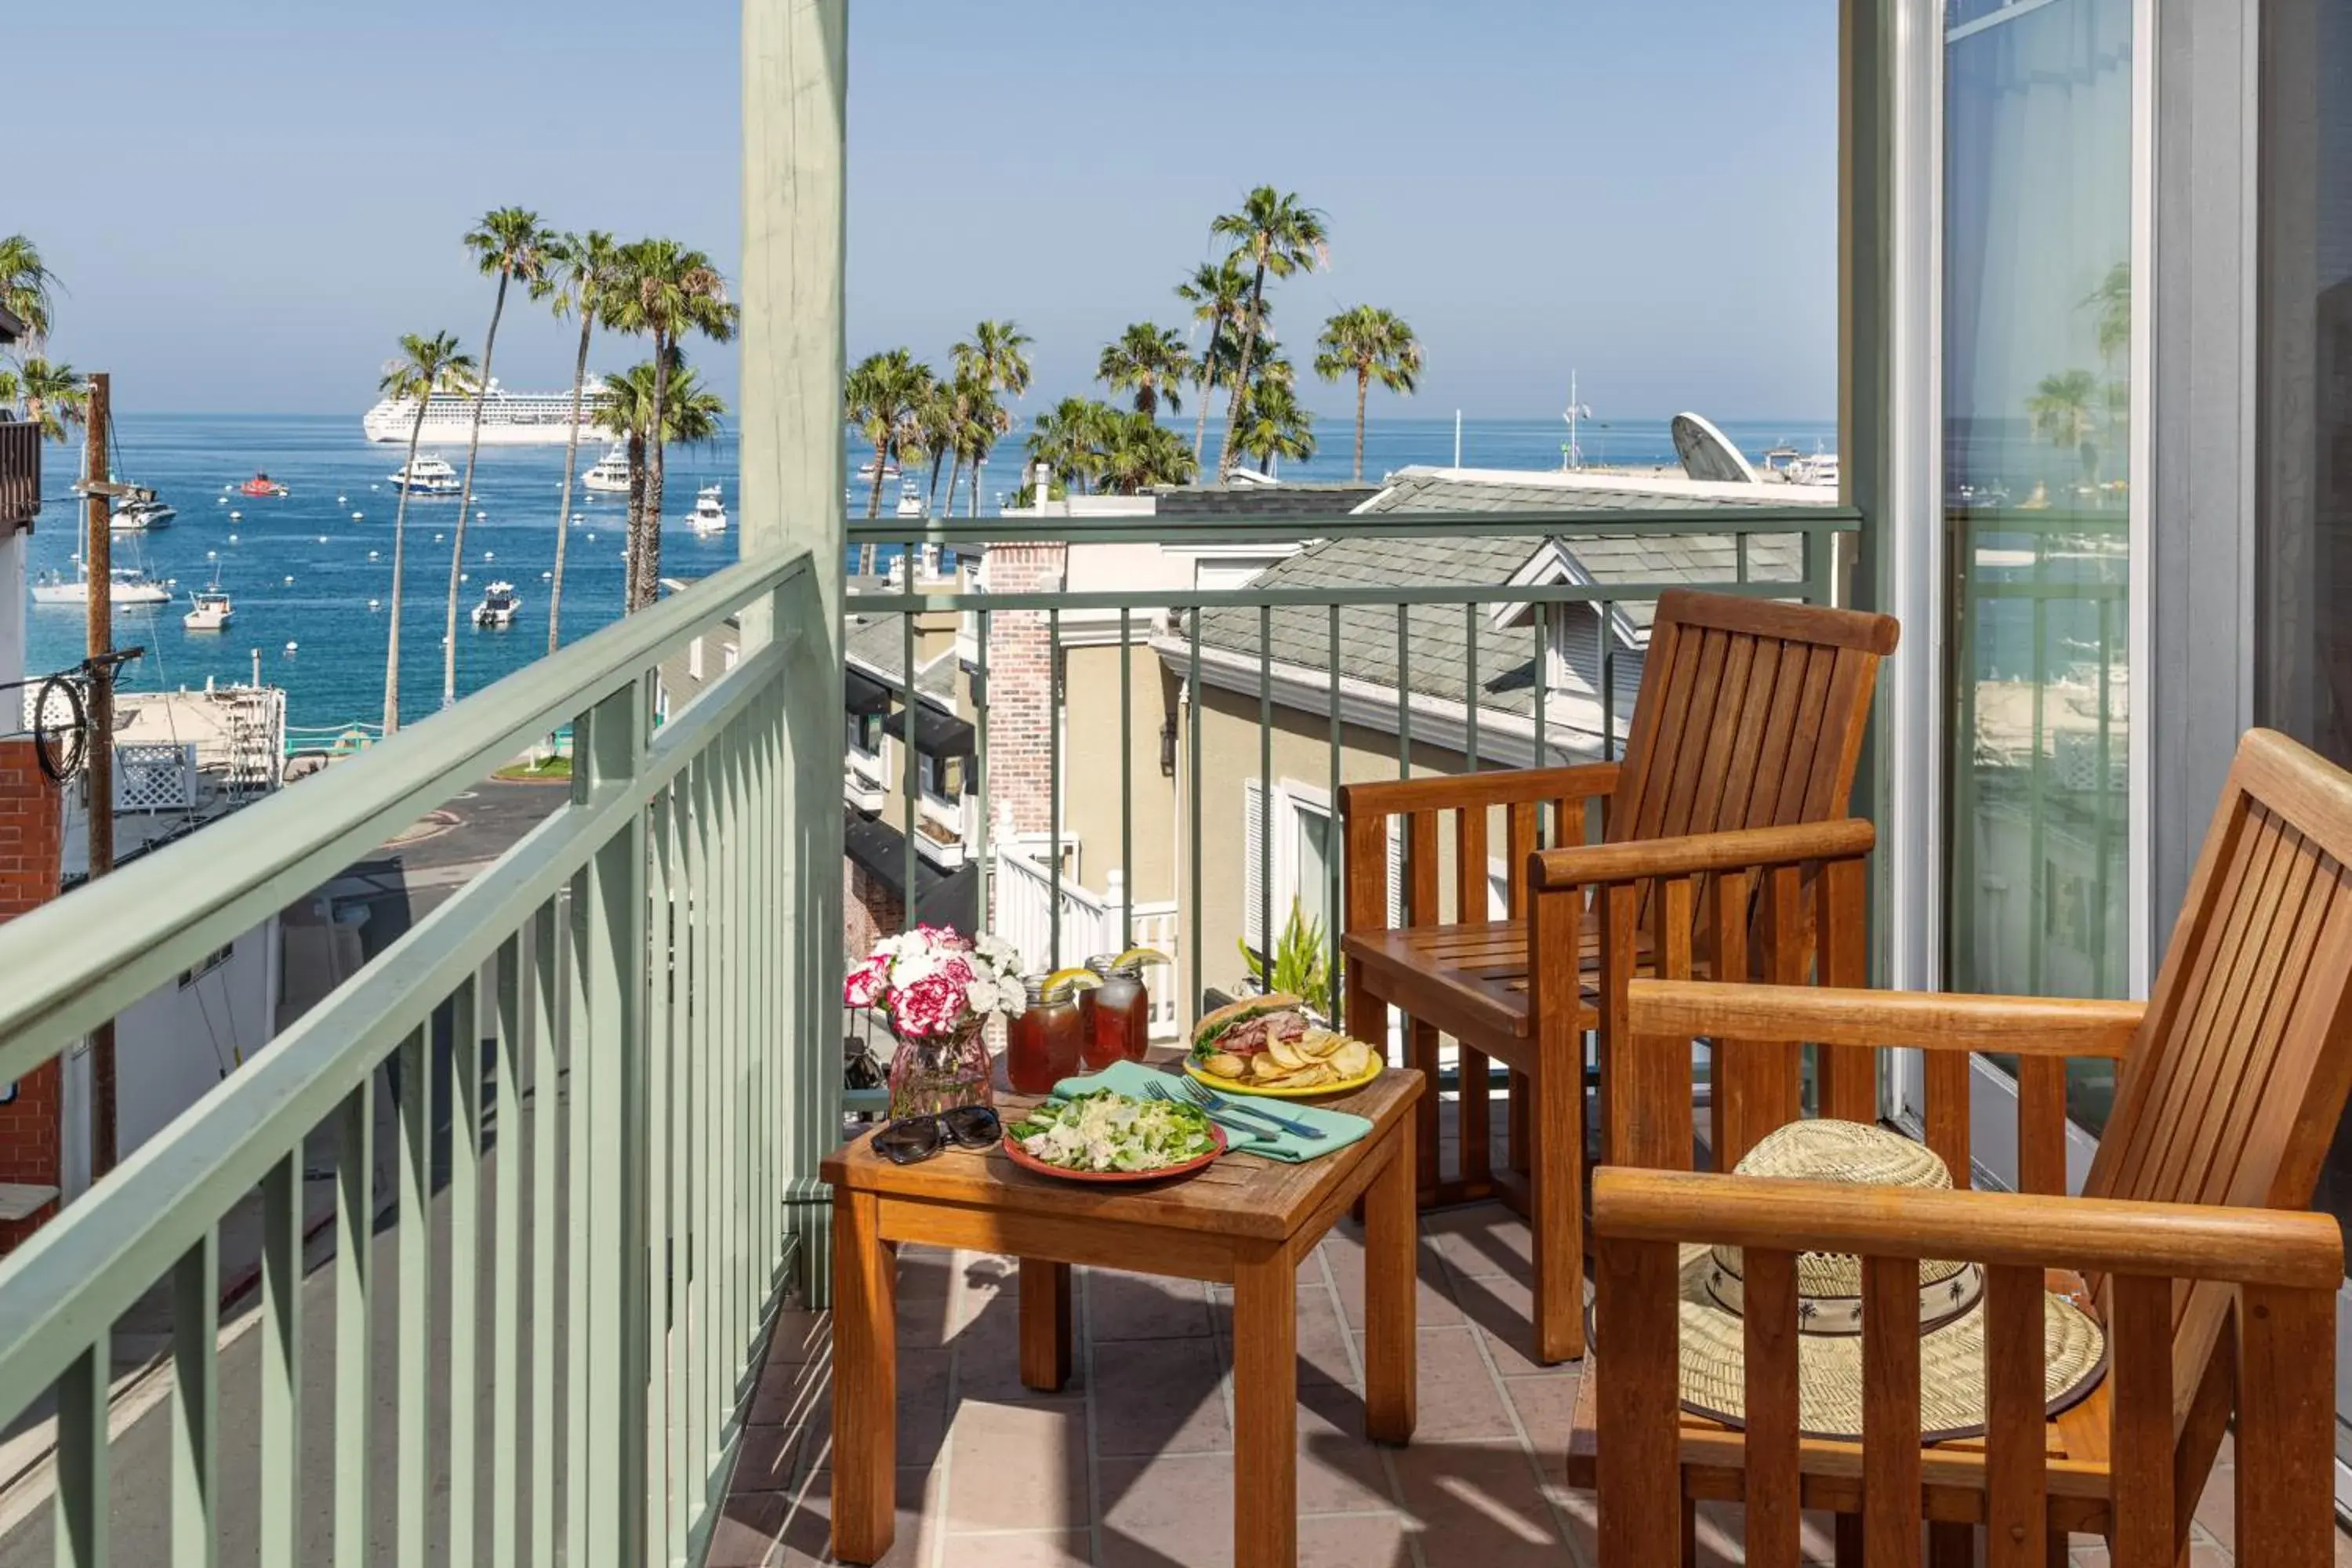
x=1110 y=1137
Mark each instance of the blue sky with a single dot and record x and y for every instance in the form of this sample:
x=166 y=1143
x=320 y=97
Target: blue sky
x=263 y=193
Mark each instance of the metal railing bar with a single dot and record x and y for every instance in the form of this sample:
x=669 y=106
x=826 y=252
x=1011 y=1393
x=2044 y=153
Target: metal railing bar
x=505 y=1245
x=1382 y=597
x=79 y=961
x=1605 y=646
x=1541 y=665
x=908 y=765
x=1053 y=695
x=1334 y=847
x=465 y=1191
x=657 y=983
x=1722 y=521
x=542 y=944
x=1473 y=700
x=1126 y=786
x=980 y=705
x=1404 y=690
x=80 y=1508
x=1192 y=831
x=1268 y=938
x=708 y=1379
x=281 y=1360
x=413 y=1090
x=195 y=1405
x=677 y=1003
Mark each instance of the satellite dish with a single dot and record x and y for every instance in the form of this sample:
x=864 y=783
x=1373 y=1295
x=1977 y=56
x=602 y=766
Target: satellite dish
x=1707 y=454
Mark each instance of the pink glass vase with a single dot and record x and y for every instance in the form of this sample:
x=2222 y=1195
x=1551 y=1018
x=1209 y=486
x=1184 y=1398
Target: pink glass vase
x=935 y=1075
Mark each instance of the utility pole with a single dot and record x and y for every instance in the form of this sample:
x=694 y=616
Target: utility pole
x=98 y=560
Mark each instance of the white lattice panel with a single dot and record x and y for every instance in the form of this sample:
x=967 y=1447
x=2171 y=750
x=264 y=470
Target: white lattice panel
x=158 y=777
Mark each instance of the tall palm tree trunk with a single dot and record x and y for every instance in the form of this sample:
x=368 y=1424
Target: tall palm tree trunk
x=637 y=514
x=465 y=502
x=1201 y=424
x=978 y=463
x=1364 y=390
x=571 y=468
x=955 y=472
x=935 y=483
x=399 y=543
x=1227 y=454
x=648 y=558
x=873 y=507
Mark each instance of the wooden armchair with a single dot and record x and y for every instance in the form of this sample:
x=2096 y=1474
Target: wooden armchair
x=2232 y=1079
x=1730 y=801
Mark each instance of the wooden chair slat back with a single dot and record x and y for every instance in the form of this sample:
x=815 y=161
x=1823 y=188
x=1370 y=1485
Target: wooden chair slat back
x=2232 y=1091
x=1752 y=713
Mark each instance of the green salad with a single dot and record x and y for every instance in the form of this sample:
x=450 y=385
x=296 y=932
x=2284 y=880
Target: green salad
x=1108 y=1131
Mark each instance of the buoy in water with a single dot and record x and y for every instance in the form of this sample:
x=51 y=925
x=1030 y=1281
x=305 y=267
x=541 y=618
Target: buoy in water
x=322 y=539
x=480 y=516
x=374 y=603
x=232 y=539
x=289 y=580
x=371 y=554
x=343 y=500
x=291 y=646
x=358 y=516
x=489 y=555
x=237 y=517
x=465 y=577
x=436 y=539
x=220 y=500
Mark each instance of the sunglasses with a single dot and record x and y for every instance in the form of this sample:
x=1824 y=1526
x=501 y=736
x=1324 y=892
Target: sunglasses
x=914 y=1139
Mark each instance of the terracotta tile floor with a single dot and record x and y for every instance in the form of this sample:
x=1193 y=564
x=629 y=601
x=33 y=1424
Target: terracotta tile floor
x=1132 y=1465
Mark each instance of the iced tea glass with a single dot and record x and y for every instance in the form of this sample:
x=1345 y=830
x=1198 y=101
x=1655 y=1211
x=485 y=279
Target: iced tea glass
x=1117 y=1014
x=1042 y=1045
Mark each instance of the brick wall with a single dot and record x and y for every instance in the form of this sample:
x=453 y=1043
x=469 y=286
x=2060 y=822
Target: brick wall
x=1020 y=694
x=871 y=911
x=32 y=823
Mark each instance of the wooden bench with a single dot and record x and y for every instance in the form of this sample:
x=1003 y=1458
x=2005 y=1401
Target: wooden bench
x=1735 y=784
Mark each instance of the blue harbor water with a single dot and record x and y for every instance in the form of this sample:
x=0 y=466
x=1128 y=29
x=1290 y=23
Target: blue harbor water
x=303 y=571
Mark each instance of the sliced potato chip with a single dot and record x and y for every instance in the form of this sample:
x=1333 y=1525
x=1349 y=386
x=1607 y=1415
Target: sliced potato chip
x=1264 y=1066
x=1318 y=1042
x=1352 y=1059
x=1283 y=1052
x=1225 y=1064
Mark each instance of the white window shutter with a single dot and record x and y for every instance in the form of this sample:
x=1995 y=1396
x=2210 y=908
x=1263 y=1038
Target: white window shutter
x=1253 y=846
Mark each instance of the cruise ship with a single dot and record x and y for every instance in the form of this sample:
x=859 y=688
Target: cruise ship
x=509 y=418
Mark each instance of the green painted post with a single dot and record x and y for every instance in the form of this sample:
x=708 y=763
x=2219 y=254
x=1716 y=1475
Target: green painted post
x=79 y=1523
x=465 y=1199
x=412 y=1492
x=195 y=1405
x=542 y=994
x=281 y=1361
x=506 y=1251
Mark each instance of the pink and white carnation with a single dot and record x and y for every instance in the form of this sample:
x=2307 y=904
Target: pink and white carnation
x=935 y=982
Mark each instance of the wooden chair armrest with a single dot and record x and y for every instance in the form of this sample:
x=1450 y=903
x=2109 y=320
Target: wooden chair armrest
x=1586 y=865
x=2280 y=1247
x=2020 y=1025
x=1462 y=792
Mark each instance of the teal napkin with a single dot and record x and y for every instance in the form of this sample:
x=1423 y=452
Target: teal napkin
x=1243 y=1134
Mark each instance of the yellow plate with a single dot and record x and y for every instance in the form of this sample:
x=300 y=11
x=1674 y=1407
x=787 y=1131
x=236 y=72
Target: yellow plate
x=1227 y=1086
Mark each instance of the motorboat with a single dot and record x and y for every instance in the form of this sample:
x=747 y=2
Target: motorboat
x=126 y=586
x=910 y=500
x=610 y=476
x=261 y=484
x=427 y=476
x=213 y=612
x=499 y=605
x=141 y=516
x=709 y=515
x=865 y=472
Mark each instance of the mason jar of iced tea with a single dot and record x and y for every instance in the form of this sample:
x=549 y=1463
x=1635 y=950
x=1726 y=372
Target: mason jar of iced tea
x=1044 y=1046
x=1117 y=1014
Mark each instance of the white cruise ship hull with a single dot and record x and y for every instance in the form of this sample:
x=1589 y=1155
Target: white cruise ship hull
x=391 y=425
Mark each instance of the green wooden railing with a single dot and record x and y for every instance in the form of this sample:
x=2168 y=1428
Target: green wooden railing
x=608 y=1010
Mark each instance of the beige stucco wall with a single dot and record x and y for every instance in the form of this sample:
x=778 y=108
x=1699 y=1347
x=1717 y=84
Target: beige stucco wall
x=1090 y=764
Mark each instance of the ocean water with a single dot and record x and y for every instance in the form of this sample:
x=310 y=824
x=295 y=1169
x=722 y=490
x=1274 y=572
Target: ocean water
x=303 y=570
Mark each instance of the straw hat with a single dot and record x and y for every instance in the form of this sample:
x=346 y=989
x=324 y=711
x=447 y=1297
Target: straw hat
x=1829 y=1306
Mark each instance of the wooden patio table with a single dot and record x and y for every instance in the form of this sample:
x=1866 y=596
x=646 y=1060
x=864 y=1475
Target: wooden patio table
x=1243 y=1221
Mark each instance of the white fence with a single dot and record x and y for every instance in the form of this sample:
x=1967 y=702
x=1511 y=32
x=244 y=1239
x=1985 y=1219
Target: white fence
x=1092 y=923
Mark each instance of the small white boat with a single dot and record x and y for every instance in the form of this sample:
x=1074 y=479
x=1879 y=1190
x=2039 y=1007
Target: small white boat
x=141 y=516
x=213 y=612
x=865 y=470
x=499 y=606
x=427 y=475
x=709 y=515
x=127 y=586
x=610 y=474
x=910 y=500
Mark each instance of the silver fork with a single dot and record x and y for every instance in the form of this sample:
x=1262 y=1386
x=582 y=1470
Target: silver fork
x=1208 y=1099
x=1248 y=1132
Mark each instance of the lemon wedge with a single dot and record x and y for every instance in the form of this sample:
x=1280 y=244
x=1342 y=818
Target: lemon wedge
x=1140 y=955
x=1069 y=980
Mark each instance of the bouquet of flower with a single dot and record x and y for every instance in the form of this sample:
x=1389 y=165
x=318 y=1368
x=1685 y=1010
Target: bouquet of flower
x=935 y=984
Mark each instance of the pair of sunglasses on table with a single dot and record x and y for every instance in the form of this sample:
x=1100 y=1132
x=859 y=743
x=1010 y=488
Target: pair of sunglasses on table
x=912 y=1140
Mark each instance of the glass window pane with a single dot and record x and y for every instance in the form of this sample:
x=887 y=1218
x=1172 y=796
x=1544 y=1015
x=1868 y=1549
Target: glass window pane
x=2037 y=426
x=1313 y=882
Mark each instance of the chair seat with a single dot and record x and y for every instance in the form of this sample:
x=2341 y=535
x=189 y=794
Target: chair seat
x=1471 y=981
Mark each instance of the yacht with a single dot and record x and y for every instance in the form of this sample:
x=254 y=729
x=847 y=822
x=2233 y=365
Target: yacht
x=213 y=612
x=427 y=475
x=128 y=586
x=710 y=514
x=910 y=500
x=261 y=484
x=611 y=474
x=499 y=606
x=866 y=471
x=1820 y=469
x=141 y=516
x=509 y=418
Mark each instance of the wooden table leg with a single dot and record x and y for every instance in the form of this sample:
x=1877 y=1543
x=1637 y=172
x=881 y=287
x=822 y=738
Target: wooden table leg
x=1265 y=1408
x=1421 y=1054
x=1951 y=1544
x=865 y=1380
x=1558 y=1220
x=1391 y=1342
x=1044 y=1323
x=1846 y=1529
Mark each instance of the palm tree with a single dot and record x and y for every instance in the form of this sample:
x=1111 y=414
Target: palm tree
x=1135 y=452
x=884 y=400
x=56 y=397
x=422 y=367
x=690 y=416
x=1218 y=292
x=1278 y=235
x=940 y=412
x=981 y=421
x=1275 y=424
x=1367 y=342
x=1069 y=437
x=995 y=358
x=509 y=243
x=25 y=284
x=582 y=271
x=669 y=291
x=2062 y=415
x=1152 y=361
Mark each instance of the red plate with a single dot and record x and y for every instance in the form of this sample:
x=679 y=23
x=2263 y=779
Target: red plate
x=1028 y=1161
